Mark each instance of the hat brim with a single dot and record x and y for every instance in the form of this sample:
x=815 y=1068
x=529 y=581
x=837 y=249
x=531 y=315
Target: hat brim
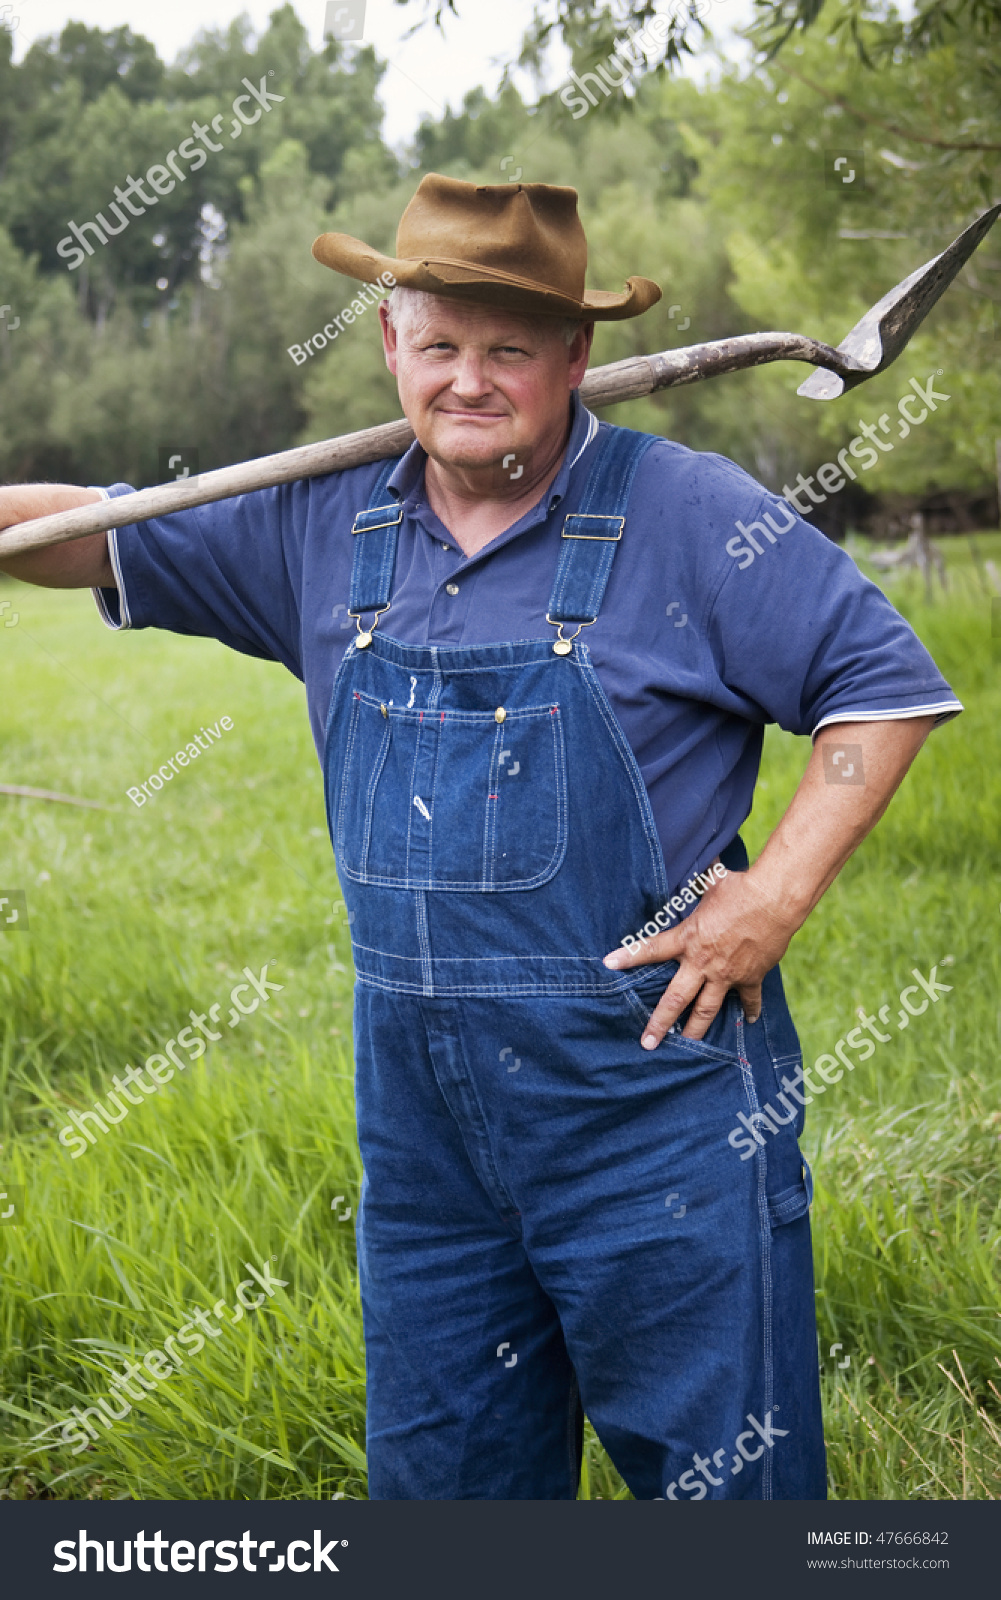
x=459 y=280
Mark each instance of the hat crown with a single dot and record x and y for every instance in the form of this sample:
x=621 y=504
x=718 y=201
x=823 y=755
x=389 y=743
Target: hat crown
x=518 y=247
x=527 y=230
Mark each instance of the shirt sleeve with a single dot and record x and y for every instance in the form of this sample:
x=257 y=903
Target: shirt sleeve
x=226 y=571
x=804 y=639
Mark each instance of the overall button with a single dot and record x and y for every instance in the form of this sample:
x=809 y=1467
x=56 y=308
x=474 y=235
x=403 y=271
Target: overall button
x=500 y=714
x=451 y=588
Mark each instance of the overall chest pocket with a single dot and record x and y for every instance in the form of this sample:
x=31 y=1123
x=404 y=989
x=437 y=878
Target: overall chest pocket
x=452 y=799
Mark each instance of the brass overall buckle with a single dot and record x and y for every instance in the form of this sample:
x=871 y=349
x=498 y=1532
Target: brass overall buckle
x=363 y=638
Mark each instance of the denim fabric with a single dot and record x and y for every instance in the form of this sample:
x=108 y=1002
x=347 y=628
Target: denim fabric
x=520 y=1252
x=473 y=819
x=550 y=1217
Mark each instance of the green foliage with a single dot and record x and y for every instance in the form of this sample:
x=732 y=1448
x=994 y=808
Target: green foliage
x=717 y=193
x=590 y=28
x=813 y=257
x=81 y=114
x=877 y=31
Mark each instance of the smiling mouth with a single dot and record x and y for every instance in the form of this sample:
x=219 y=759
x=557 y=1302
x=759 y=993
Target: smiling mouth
x=473 y=416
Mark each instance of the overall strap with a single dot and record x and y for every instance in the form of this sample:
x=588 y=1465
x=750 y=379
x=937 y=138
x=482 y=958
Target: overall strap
x=591 y=535
x=376 y=531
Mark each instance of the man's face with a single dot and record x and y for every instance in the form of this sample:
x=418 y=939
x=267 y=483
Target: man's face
x=476 y=382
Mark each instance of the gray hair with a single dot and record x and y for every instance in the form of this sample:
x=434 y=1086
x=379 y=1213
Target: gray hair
x=407 y=304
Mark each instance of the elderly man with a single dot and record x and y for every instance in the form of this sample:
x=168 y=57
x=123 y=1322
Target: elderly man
x=572 y=1200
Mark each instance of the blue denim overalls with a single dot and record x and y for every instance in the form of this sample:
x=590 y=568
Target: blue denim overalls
x=551 y=1217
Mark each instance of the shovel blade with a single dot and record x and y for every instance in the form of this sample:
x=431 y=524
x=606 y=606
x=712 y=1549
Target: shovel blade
x=885 y=329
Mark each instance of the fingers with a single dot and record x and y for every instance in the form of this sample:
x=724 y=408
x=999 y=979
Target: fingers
x=750 y=1000
x=708 y=998
x=661 y=947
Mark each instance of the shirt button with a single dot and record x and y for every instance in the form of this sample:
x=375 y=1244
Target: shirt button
x=445 y=546
x=451 y=588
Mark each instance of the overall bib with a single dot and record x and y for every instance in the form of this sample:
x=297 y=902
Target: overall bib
x=552 y=1219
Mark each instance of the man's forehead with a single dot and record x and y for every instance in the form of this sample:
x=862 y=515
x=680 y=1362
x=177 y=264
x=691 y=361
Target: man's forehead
x=475 y=319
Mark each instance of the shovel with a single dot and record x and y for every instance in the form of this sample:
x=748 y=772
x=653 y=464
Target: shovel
x=869 y=348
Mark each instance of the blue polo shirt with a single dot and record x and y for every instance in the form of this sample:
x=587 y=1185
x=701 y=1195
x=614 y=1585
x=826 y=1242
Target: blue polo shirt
x=696 y=647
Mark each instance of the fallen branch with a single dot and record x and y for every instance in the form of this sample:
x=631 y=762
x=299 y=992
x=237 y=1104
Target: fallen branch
x=23 y=793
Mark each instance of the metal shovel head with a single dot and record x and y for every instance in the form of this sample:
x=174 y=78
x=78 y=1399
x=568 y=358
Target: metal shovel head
x=885 y=329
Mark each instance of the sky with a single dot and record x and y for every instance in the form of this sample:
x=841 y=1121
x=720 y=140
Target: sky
x=424 y=73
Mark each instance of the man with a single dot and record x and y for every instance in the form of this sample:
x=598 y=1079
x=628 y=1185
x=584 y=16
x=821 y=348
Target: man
x=553 y=1217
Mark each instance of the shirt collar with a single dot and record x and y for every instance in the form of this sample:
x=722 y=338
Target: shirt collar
x=407 y=479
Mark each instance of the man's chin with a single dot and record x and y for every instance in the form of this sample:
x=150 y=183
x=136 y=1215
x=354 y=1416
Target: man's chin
x=457 y=449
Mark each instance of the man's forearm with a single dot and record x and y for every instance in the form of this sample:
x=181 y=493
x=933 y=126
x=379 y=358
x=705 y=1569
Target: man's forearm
x=828 y=818
x=75 y=564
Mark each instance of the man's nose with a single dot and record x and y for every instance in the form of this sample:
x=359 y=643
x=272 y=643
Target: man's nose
x=470 y=381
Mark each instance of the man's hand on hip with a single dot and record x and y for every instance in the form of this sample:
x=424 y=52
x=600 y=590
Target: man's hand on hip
x=746 y=921
x=730 y=941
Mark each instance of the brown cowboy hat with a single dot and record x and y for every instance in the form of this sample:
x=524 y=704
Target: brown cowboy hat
x=520 y=246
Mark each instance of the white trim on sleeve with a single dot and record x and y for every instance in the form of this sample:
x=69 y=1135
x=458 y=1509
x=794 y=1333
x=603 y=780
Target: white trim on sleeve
x=943 y=711
x=116 y=567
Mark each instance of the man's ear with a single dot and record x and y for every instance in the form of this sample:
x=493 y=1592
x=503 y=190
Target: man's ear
x=388 y=336
x=580 y=353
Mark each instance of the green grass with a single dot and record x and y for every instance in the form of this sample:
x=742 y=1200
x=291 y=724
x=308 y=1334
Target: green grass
x=136 y=916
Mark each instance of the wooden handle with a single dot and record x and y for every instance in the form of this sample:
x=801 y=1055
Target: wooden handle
x=608 y=385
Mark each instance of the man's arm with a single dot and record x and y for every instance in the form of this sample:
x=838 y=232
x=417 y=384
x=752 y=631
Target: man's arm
x=745 y=921
x=75 y=564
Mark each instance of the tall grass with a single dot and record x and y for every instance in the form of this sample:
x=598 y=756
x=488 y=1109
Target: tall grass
x=138 y=916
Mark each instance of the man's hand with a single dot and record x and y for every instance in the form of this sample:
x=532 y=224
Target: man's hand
x=745 y=922
x=734 y=937
x=75 y=564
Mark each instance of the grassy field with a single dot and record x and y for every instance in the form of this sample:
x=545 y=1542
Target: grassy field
x=138 y=916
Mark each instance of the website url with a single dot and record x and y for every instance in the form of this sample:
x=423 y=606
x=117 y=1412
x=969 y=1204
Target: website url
x=870 y=1563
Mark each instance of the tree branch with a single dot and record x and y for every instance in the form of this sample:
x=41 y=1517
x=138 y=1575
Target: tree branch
x=877 y=122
